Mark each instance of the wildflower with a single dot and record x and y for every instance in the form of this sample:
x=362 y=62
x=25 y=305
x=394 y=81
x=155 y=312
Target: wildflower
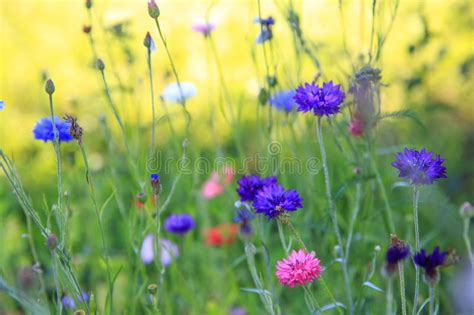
x=356 y=127
x=266 y=33
x=237 y=310
x=155 y=183
x=365 y=90
x=300 y=268
x=397 y=252
x=43 y=130
x=68 y=302
x=203 y=28
x=212 y=187
x=2 y=105
x=228 y=172
x=75 y=130
x=274 y=201
x=153 y=9
x=168 y=250
x=173 y=93
x=419 y=167
x=430 y=263
x=323 y=101
x=221 y=234
x=179 y=223
x=51 y=241
x=250 y=185
x=283 y=100
x=149 y=43
x=243 y=217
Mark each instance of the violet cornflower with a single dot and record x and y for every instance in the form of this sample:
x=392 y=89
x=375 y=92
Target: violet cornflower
x=250 y=185
x=43 y=129
x=419 y=167
x=179 y=223
x=203 y=28
x=274 y=201
x=430 y=263
x=322 y=101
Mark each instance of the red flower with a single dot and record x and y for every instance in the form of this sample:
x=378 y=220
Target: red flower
x=221 y=234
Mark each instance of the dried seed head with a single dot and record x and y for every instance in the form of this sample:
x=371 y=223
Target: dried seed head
x=75 y=130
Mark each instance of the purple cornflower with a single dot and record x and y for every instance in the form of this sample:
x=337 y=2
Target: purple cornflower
x=68 y=302
x=203 y=28
x=266 y=30
x=168 y=250
x=250 y=185
x=274 y=201
x=243 y=217
x=419 y=167
x=236 y=310
x=430 y=263
x=323 y=101
x=396 y=252
x=283 y=100
x=179 y=223
x=2 y=105
x=43 y=130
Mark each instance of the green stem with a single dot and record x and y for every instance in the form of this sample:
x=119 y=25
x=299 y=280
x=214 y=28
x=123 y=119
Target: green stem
x=432 y=299
x=281 y=233
x=311 y=302
x=353 y=219
x=402 y=288
x=416 y=197
x=105 y=256
x=153 y=122
x=56 y=283
x=333 y=214
x=389 y=296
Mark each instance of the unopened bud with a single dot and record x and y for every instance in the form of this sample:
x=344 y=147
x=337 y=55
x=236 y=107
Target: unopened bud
x=88 y=4
x=86 y=29
x=52 y=241
x=155 y=184
x=272 y=80
x=147 y=40
x=377 y=248
x=141 y=196
x=262 y=96
x=152 y=288
x=49 y=87
x=100 y=64
x=466 y=210
x=153 y=9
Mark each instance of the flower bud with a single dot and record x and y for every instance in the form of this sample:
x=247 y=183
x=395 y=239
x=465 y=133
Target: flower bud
x=147 y=40
x=262 y=96
x=272 y=80
x=141 y=197
x=51 y=241
x=152 y=288
x=88 y=4
x=49 y=87
x=100 y=64
x=153 y=9
x=155 y=184
x=86 y=29
x=466 y=210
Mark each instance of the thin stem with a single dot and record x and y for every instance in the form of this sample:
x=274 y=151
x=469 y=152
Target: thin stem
x=281 y=233
x=56 y=283
x=34 y=253
x=432 y=299
x=353 y=219
x=416 y=197
x=401 y=274
x=311 y=302
x=57 y=150
x=333 y=214
x=389 y=296
x=153 y=122
x=105 y=256
x=296 y=236
x=114 y=109
x=467 y=240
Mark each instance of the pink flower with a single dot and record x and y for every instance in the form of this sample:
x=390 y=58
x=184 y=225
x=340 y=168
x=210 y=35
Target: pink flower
x=356 y=127
x=300 y=268
x=212 y=187
x=203 y=28
x=228 y=174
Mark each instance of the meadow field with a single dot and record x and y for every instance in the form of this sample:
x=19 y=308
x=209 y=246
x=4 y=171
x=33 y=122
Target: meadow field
x=236 y=157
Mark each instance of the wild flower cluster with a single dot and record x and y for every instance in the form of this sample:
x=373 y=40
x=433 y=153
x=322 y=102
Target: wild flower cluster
x=146 y=227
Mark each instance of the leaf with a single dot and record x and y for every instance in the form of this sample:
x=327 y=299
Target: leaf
x=26 y=302
x=399 y=184
x=372 y=286
x=258 y=291
x=331 y=306
x=422 y=306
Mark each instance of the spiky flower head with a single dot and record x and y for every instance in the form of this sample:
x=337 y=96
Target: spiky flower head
x=322 y=101
x=250 y=185
x=300 y=268
x=396 y=252
x=43 y=129
x=179 y=223
x=283 y=100
x=419 y=167
x=153 y=9
x=274 y=201
x=430 y=263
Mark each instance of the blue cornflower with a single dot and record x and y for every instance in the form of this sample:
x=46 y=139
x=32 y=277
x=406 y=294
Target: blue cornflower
x=179 y=223
x=243 y=217
x=283 y=100
x=250 y=185
x=2 y=105
x=274 y=201
x=430 y=263
x=322 y=101
x=172 y=92
x=419 y=167
x=266 y=30
x=68 y=302
x=396 y=253
x=43 y=130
